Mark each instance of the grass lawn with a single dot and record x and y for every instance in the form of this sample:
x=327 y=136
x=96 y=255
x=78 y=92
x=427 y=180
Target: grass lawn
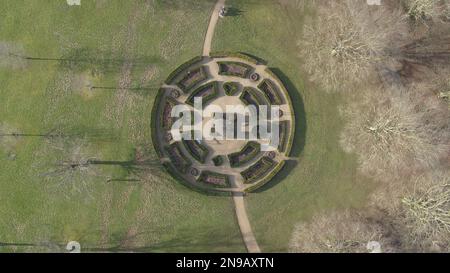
x=111 y=45
x=324 y=177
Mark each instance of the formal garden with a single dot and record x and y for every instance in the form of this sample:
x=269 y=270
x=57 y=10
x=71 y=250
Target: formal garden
x=222 y=165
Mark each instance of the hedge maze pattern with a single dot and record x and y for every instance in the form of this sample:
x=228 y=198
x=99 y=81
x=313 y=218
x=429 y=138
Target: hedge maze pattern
x=221 y=167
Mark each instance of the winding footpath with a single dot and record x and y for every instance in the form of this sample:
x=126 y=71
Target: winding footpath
x=238 y=197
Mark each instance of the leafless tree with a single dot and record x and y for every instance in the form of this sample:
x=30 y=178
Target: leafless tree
x=427 y=212
x=396 y=134
x=348 y=40
x=423 y=11
x=341 y=232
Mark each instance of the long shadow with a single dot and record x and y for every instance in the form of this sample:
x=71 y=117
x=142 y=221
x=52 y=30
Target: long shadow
x=300 y=131
x=232 y=11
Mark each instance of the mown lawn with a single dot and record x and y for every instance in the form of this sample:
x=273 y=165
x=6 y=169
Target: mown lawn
x=324 y=177
x=109 y=44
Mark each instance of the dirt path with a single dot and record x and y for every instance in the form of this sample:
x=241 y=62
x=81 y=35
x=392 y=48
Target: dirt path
x=238 y=197
x=244 y=224
x=212 y=27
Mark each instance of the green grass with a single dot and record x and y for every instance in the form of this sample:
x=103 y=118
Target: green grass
x=126 y=42
x=324 y=177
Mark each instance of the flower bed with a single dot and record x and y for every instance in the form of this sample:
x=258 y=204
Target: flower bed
x=192 y=78
x=197 y=150
x=258 y=170
x=270 y=91
x=234 y=69
x=216 y=179
x=207 y=92
x=231 y=88
x=178 y=159
x=249 y=152
x=166 y=115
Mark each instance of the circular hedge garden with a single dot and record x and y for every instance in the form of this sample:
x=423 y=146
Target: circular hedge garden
x=221 y=165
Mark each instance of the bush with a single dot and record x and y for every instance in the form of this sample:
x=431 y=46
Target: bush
x=234 y=69
x=181 y=68
x=249 y=152
x=208 y=92
x=218 y=160
x=231 y=88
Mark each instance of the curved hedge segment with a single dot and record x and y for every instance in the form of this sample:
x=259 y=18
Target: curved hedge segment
x=197 y=150
x=207 y=92
x=258 y=170
x=217 y=179
x=270 y=90
x=249 y=152
x=236 y=69
x=181 y=68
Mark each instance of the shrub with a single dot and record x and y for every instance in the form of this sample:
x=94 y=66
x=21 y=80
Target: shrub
x=284 y=134
x=181 y=68
x=154 y=117
x=249 y=152
x=197 y=150
x=208 y=92
x=231 y=88
x=216 y=179
x=234 y=69
x=218 y=160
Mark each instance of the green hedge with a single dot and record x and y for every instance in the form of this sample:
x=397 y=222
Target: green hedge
x=181 y=68
x=284 y=125
x=184 y=163
x=176 y=176
x=207 y=98
x=203 y=77
x=270 y=91
x=256 y=148
x=231 y=88
x=218 y=160
x=291 y=106
x=171 y=102
x=205 y=174
x=153 y=121
x=246 y=74
x=257 y=96
x=267 y=178
x=240 y=55
x=266 y=165
x=196 y=150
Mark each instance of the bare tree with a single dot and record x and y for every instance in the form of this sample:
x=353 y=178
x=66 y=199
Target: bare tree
x=427 y=212
x=341 y=232
x=423 y=11
x=348 y=40
x=394 y=135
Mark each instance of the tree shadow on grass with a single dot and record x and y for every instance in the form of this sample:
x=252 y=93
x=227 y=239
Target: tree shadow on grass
x=232 y=11
x=300 y=131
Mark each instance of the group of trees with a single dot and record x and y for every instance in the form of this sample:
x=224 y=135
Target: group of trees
x=391 y=62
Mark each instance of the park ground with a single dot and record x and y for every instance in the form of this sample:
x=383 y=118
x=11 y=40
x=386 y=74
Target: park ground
x=129 y=48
